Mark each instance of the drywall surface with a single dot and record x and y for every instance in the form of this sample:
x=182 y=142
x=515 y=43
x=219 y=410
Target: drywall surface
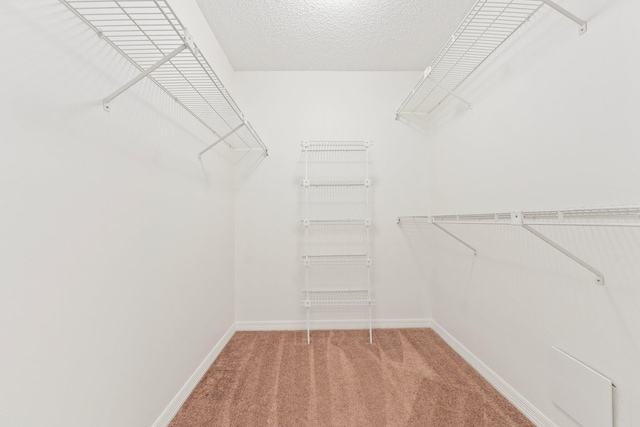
x=554 y=125
x=116 y=274
x=287 y=108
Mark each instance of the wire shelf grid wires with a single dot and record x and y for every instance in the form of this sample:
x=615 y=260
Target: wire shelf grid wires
x=527 y=220
x=597 y=217
x=332 y=202
x=336 y=145
x=331 y=297
x=483 y=30
x=145 y=32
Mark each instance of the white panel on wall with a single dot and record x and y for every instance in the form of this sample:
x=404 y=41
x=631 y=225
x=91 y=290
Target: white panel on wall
x=581 y=392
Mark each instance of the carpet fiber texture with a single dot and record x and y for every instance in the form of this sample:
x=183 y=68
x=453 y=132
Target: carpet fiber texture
x=407 y=377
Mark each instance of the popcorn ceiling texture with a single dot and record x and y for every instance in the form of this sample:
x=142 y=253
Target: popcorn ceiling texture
x=333 y=35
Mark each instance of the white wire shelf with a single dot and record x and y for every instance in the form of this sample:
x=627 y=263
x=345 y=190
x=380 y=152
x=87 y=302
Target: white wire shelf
x=337 y=183
x=150 y=36
x=336 y=145
x=344 y=259
x=483 y=30
x=595 y=217
x=328 y=297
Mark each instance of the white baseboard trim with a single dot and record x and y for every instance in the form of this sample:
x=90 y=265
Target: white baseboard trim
x=297 y=325
x=174 y=406
x=526 y=407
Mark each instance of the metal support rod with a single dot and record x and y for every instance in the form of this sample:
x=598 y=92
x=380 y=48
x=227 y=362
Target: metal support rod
x=142 y=75
x=306 y=209
x=582 y=23
x=599 y=276
x=366 y=178
x=219 y=140
x=457 y=238
x=370 y=325
x=455 y=95
x=308 y=328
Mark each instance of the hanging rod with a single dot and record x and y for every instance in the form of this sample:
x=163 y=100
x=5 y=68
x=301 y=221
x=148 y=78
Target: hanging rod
x=597 y=217
x=151 y=37
x=485 y=28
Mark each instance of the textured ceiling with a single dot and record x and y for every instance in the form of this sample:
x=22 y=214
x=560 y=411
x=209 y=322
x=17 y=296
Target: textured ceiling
x=340 y=35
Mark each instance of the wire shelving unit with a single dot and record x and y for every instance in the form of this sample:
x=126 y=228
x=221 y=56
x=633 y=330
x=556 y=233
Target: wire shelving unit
x=330 y=297
x=152 y=38
x=361 y=261
x=485 y=28
x=336 y=146
x=594 y=217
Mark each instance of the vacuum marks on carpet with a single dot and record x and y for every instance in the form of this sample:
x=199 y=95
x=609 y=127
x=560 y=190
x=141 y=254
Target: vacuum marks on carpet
x=407 y=377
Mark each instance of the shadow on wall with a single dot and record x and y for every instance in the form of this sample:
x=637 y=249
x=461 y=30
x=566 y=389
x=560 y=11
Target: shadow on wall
x=424 y=242
x=247 y=162
x=177 y=134
x=518 y=289
x=541 y=37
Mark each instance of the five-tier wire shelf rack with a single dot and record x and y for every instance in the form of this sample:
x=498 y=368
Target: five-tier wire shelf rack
x=337 y=242
x=484 y=29
x=151 y=37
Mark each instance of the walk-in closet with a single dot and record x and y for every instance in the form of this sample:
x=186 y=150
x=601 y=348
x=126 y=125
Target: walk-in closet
x=319 y=213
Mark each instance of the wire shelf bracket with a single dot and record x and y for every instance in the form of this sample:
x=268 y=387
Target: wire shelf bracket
x=598 y=217
x=475 y=252
x=582 y=24
x=152 y=38
x=599 y=276
x=485 y=28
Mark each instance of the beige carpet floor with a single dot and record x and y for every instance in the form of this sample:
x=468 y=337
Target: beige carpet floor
x=408 y=377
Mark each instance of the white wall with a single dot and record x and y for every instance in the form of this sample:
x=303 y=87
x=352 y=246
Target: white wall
x=554 y=125
x=116 y=259
x=287 y=108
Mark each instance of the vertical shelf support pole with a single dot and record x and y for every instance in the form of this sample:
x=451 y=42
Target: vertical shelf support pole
x=599 y=276
x=582 y=23
x=366 y=161
x=370 y=325
x=141 y=76
x=306 y=234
